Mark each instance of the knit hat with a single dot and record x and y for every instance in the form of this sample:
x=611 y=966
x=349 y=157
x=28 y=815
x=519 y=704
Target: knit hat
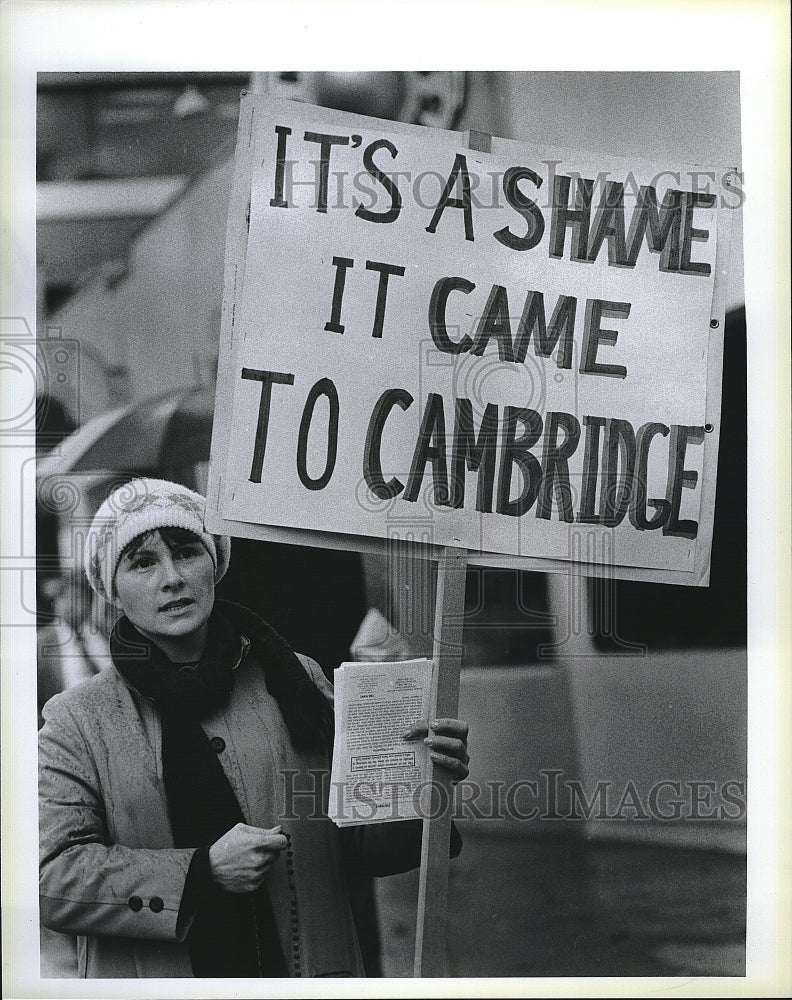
x=135 y=509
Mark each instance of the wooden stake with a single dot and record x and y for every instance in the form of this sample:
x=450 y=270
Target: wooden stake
x=430 y=943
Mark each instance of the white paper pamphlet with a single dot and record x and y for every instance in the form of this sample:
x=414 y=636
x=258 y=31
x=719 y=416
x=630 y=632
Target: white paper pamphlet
x=377 y=776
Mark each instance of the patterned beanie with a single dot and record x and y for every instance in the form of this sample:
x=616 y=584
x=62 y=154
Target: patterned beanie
x=135 y=509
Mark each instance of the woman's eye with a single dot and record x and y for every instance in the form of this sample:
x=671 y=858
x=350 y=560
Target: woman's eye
x=187 y=553
x=143 y=563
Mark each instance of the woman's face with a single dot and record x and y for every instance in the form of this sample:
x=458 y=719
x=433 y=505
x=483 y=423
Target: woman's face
x=167 y=594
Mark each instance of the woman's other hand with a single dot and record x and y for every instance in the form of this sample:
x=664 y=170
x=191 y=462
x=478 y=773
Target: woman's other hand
x=240 y=859
x=447 y=743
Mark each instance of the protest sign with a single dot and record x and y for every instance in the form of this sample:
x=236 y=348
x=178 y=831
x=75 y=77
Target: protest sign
x=504 y=349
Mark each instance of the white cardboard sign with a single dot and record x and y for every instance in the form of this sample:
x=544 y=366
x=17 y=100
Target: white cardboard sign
x=511 y=348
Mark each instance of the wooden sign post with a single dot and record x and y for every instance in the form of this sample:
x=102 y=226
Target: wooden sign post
x=430 y=947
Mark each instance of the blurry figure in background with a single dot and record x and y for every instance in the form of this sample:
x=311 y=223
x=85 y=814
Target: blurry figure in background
x=171 y=853
x=62 y=595
x=73 y=634
x=74 y=646
x=377 y=641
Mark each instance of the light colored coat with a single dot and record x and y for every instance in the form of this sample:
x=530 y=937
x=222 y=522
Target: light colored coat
x=109 y=871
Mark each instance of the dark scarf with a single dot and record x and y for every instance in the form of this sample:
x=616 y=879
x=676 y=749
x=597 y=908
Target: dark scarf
x=232 y=934
x=199 y=692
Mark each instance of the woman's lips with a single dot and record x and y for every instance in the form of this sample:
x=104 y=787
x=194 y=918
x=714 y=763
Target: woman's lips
x=179 y=605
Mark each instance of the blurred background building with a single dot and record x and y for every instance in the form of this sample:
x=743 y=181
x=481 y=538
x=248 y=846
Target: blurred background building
x=624 y=683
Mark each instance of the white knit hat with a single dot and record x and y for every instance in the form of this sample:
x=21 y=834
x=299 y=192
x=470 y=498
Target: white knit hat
x=135 y=509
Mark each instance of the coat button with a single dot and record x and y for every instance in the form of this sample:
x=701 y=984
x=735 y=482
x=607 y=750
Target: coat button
x=156 y=905
x=135 y=903
x=218 y=744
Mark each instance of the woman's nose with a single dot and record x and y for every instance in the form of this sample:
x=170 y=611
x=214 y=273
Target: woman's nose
x=171 y=577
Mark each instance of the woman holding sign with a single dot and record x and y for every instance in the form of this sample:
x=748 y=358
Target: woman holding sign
x=183 y=826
